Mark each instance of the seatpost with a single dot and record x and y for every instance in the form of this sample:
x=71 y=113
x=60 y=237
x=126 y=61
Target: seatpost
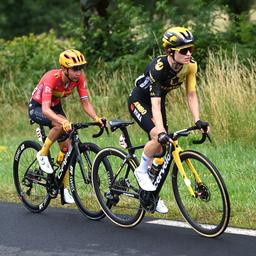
x=42 y=132
x=126 y=136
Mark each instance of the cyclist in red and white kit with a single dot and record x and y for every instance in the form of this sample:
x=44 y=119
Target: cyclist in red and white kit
x=45 y=106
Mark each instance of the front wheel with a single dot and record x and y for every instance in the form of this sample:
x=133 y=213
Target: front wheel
x=29 y=179
x=209 y=211
x=81 y=184
x=116 y=187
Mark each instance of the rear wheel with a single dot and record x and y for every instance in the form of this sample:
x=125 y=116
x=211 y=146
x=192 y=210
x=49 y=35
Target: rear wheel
x=208 y=213
x=116 y=187
x=29 y=179
x=81 y=184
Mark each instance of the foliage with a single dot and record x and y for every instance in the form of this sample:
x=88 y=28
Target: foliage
x=136 y=37
x=24 y=60
x=129 y=32
x=22 y=17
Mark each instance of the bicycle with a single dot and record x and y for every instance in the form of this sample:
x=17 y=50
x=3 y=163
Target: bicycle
x=36 y=188
x=198 y=187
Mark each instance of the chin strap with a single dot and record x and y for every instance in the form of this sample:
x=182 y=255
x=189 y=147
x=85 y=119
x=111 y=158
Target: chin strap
x=175 y=61
x=67 y=75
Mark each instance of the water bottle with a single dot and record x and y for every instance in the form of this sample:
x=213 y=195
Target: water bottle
x=61 y=155
x=155 y=167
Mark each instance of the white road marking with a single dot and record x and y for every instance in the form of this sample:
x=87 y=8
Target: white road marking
x=239 y=231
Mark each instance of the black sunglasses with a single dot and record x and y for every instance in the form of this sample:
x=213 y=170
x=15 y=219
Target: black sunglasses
x=184 y=51
x=79 y=67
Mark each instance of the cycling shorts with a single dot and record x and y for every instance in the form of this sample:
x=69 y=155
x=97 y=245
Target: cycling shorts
x=141 y=111
x=35 y=113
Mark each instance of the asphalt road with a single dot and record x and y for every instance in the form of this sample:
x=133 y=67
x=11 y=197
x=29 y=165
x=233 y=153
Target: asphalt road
x=66 y=232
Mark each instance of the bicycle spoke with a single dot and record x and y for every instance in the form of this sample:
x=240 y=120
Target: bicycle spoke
x=117 y=188
x=29 y=180
x=208 y=212
x=81 y=184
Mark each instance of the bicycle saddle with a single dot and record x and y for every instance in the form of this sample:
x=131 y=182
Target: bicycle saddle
x=115 y=124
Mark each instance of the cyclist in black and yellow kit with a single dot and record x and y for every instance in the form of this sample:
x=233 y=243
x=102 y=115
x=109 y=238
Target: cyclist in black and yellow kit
x=147 y=100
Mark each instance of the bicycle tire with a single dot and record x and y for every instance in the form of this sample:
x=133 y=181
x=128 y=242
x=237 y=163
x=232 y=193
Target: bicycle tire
x=81 y=188
x=28 y=176
x=209 y=213
x=117 y=194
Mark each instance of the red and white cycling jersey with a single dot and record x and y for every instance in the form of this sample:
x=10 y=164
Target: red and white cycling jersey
x=51 y=88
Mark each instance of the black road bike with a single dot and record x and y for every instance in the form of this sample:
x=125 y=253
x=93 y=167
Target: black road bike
x=198 y=187
x=36 y=188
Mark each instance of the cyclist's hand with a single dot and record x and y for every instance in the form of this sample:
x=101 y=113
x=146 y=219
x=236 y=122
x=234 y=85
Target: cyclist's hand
x=204 y=126
x=101 y=120
x=163 y=138
x=66 y=126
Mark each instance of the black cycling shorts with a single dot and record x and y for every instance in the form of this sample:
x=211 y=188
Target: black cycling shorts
x=142 y=113
x=35 y=113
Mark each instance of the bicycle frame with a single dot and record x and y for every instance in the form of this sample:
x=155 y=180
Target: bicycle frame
x=172 y=155
x=194 y=179
x=73 y=151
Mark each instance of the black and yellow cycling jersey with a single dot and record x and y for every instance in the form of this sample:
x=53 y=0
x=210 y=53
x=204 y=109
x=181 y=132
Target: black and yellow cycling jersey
x=159 y=78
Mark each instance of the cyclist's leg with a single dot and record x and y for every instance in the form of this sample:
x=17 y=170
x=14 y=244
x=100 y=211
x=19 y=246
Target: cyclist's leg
x=142 y=114
x=36 y=114
x=64 y=143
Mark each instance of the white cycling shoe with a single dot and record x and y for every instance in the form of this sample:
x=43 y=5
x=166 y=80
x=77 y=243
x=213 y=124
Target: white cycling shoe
x=44 y=163
x=161 y=207
x=68 y=198
x=144 y=180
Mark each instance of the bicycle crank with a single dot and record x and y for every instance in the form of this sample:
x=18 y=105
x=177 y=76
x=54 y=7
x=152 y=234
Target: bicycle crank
x=51 y=186
x=148 y=200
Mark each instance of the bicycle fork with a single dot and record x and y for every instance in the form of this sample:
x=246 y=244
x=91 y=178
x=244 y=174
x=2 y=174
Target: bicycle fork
x=176 y=157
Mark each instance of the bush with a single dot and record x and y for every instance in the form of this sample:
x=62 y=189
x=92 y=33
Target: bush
x=24 y=60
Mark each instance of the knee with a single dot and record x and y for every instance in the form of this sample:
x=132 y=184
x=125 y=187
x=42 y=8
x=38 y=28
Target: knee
x=154 y=134
x=57 y=127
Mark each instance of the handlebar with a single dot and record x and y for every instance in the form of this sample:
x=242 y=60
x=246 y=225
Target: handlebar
x=187 y=131
x=77 y=126
x=184 y=133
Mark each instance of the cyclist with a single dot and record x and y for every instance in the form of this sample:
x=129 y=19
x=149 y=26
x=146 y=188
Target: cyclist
x=147 y=100
x=45 y=106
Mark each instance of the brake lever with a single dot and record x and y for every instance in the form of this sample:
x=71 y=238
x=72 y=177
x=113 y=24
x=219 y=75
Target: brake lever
x=202 y=140
x=209 y=138
x=104 y=127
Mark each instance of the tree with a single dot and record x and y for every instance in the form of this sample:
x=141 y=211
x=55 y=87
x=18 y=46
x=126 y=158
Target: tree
x=35 y=16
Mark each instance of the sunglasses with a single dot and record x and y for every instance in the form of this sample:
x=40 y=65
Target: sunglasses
x=79 y=67
x=184 y=51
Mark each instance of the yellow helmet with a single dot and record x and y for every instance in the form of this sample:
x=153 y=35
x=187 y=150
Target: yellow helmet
x=71 y=58
x=177 y=38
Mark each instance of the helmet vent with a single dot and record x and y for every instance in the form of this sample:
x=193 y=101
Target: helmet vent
x=187 y=35
x=66 y=56
x=74 y=59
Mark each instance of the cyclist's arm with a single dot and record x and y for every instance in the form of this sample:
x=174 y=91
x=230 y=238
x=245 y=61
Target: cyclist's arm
x=191 y=91
x=51 y=115
x=157 y=115
x=88 y=108
x=46 y=105
x=193 y=104
x=155 y=96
